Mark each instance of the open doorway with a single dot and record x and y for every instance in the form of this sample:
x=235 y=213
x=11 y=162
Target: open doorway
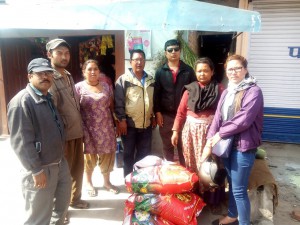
x=216 y=46
x=102 y=49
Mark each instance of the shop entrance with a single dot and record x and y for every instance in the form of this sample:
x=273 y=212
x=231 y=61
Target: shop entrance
x=102 y=49
x=216 y=46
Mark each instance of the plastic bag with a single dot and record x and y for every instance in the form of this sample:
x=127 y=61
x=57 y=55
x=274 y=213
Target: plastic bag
x=150 y=160
x=163 y=179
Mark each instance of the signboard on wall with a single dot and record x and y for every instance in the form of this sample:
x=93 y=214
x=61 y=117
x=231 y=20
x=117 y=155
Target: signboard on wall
x=138 y=39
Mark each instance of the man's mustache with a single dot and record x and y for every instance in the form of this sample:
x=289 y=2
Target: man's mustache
x=45 y=81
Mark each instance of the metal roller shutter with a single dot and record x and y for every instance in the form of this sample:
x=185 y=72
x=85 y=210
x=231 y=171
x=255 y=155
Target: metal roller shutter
x=274 y=59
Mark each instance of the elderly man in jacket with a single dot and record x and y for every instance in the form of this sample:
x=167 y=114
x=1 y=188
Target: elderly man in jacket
x=134 y=110
x=37 y=137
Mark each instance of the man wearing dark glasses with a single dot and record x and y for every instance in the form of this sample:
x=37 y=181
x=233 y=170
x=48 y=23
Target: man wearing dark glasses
x=169 y=81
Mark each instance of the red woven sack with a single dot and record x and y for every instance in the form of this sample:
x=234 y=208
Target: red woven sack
x=162 y=179
x=181 y=209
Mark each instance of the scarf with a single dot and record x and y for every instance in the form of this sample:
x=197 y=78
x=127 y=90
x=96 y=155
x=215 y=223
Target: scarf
x=202 y=98
x=232 y=90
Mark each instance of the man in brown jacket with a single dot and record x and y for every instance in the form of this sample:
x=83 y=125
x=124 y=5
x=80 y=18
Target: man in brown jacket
x=67 y=103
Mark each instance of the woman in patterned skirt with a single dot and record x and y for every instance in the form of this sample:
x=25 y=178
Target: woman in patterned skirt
x=194 y=115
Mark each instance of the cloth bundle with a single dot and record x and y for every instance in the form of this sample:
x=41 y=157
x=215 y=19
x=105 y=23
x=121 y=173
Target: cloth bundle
x=161 y=194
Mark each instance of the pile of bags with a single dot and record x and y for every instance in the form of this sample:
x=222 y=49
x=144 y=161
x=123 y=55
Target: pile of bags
x=161 y=194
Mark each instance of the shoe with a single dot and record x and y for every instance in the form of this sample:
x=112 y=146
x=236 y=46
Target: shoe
x=92 y=192
x=67 y=219
x=80 y=204
x=113 y=189
x=217 y=222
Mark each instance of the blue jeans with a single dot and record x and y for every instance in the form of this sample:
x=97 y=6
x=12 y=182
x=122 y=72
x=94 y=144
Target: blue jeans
x=137 y=145
x=238 y=167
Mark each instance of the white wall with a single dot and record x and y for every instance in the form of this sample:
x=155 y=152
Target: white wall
x=158 y=41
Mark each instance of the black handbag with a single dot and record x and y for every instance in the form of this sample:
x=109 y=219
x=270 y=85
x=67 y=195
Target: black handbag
x=223 y=147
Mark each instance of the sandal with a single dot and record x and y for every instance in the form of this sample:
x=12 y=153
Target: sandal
x=92 y=192
x=80 y=204
x=113 y=189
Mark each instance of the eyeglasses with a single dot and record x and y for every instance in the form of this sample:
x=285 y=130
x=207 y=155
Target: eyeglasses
x=44 y=73
x=170 y=50
x=138 y=60
x=235 y=69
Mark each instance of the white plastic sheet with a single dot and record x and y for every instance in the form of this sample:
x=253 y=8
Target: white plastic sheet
x=129 y=15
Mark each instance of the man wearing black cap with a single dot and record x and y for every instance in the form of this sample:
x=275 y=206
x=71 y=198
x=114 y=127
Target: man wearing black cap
x=67 y=102
x=169 y=81
x=37 y=137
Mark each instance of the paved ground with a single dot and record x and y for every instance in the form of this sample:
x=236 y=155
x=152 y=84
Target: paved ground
x=107 y=208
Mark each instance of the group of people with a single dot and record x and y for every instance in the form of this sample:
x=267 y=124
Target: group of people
x=61 y=130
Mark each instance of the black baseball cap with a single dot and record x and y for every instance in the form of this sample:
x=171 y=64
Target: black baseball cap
x=39 y=65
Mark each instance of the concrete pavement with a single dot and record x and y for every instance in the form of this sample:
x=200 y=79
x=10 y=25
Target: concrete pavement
x=107 y=208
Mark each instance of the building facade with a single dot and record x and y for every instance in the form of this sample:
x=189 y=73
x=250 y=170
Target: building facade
x=274 y=59
x=273 y=55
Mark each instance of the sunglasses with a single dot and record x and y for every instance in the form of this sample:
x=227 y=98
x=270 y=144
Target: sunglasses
x=170 y=50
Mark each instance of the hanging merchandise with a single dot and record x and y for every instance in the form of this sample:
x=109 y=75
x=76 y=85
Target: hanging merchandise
x=107 y=39
x=106 y=42
x=95 y=47
x=38 y=46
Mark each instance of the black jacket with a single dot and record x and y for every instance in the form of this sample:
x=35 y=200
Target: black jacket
x=167 y=95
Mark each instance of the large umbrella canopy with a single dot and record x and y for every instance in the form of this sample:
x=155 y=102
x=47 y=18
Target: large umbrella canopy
x=129 y=15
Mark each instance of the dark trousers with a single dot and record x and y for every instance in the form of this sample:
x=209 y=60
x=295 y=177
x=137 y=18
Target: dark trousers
x=75 y=159
x=166 y=134
x=137 y=145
